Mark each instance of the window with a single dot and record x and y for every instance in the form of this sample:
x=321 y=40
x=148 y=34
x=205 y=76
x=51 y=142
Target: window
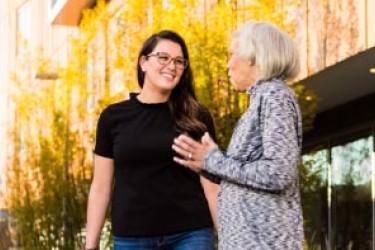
x=351 y=195
x=336 y=188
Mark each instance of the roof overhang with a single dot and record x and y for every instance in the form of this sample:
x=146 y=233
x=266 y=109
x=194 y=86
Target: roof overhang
x=68 y=12
x=345 y=81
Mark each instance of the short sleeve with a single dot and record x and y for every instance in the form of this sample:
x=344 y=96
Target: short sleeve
x=206 y=118
x=104 y=142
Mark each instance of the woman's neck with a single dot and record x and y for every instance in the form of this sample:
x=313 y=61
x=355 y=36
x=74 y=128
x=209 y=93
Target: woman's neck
x=153 y=97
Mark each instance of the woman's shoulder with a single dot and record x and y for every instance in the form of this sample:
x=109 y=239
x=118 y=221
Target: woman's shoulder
x=120 y=105
x=117 y=109
x=203 y=111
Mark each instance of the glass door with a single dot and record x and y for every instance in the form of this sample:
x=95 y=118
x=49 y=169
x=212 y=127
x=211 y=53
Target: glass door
x=351 y=202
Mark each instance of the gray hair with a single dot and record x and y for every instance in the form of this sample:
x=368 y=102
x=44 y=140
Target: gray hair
x=271 y=49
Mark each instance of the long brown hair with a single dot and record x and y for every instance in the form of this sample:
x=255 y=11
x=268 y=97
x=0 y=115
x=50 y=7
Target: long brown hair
x=182 y=102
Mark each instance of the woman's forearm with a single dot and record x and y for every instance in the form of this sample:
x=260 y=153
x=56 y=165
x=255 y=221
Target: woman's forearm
x=96 y=212
x=211 y=191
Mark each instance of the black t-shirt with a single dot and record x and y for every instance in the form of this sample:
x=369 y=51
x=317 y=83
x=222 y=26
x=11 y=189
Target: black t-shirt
x=152 y=194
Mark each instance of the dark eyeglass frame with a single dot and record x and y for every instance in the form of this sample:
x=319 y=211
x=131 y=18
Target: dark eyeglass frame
x=165 y=59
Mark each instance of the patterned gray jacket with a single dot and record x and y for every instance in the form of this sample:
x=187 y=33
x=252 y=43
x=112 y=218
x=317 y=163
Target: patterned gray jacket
x=259 y=200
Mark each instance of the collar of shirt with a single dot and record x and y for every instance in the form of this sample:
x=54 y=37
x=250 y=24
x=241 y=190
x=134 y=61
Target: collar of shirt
x=255 y=87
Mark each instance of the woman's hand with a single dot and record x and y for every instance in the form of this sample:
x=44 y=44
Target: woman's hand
x=192 y=152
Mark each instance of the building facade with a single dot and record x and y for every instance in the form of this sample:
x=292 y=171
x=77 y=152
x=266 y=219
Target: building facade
x=338 y=174
x=336 y=40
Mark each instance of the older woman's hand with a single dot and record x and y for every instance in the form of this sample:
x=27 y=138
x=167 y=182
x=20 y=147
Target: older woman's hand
x=192 y=152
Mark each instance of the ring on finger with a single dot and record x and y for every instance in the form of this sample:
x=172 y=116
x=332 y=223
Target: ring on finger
x=190 y=155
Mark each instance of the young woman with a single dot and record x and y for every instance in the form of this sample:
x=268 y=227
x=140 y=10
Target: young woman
x=155 y=203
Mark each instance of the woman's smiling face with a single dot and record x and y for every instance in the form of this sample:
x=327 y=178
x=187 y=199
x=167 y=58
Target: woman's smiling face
x=158 y=76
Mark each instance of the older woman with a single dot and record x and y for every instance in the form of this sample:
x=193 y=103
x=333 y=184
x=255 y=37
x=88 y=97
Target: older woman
x=259 y=200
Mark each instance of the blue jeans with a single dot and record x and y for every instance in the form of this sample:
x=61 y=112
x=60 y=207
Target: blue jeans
x=201 y=239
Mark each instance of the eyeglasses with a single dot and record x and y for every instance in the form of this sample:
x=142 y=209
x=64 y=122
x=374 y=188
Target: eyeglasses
x=165 y=59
